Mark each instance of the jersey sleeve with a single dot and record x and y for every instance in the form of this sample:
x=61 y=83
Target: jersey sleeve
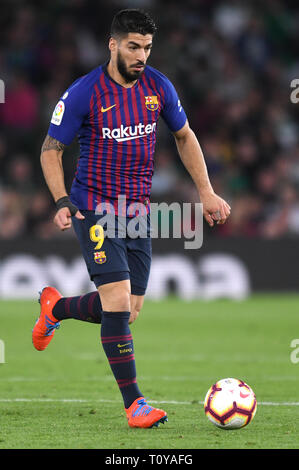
x=172 y=111
x=70 y=112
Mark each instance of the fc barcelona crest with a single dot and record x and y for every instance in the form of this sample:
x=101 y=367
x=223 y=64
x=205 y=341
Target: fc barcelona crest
x=151 y=103
x=100 y=257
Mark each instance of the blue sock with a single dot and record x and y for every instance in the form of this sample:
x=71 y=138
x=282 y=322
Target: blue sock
x=117 y=342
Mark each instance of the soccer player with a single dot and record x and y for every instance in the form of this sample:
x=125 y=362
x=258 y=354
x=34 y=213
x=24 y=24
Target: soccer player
x=114 y=110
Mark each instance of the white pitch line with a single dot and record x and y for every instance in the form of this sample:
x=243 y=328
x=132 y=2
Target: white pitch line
x=110 y=378
x=166 y=402
x=53 y=400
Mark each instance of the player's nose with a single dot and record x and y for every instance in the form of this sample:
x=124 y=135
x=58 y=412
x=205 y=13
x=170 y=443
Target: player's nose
x=141 y=56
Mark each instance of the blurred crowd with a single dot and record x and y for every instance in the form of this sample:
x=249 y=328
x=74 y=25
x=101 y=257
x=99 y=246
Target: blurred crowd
x=232 y=64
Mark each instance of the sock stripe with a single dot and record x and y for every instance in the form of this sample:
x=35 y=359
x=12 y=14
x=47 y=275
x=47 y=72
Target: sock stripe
x=114 y=339
x=121 y=381
x=126 y=382
x=121 y=360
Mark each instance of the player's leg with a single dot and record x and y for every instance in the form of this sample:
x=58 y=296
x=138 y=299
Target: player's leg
x=86 y=307
x=140 y=414
x=139 y=260
x=117 y=339
x=118 y=345
x=55 y=308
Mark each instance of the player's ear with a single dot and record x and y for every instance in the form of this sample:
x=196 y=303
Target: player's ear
x=112 y=44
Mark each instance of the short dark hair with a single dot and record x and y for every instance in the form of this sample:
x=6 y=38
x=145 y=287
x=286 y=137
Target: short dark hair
x=132 y=21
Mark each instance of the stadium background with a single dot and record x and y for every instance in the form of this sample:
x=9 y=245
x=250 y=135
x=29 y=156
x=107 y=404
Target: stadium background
x=232 y=64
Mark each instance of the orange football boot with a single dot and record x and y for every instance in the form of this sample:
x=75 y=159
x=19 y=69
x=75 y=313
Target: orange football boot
x=46 y=323
x=141 y=415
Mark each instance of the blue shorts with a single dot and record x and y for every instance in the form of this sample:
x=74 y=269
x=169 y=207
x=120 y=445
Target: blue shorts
x=114 y=258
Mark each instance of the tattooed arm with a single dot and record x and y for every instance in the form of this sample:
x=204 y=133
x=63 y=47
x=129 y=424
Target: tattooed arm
x=51 y=162
x=52 y=144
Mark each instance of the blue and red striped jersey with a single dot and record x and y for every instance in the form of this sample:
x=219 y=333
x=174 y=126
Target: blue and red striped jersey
x=116 y=127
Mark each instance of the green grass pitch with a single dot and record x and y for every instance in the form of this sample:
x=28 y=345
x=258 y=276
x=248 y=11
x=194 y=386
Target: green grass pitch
x=66 y=397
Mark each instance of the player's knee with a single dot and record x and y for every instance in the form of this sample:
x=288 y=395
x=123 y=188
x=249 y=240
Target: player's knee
x=115 y=299
x=120 y=301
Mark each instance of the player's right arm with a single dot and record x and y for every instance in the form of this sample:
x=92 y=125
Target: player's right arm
x=51 y=163
x=66 y=122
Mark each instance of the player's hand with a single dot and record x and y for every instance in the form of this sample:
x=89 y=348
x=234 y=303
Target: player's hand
x=215 y=209
x=63 y=218
x=65 y=210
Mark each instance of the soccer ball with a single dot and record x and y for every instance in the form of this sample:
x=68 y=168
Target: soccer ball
x=230 y=404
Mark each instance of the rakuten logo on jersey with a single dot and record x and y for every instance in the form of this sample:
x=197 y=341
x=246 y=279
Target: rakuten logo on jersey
x=123 y=133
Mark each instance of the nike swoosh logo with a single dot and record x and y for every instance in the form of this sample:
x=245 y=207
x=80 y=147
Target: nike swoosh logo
x=107 y=109
x=122 y=345
x=244 y=395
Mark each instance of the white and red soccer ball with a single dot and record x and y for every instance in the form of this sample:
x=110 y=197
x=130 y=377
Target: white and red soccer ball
x=230 y=404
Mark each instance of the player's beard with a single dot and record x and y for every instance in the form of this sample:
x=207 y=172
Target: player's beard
x=123 y=70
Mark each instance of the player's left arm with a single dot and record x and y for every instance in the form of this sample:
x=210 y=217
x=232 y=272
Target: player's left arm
x=214 y=207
